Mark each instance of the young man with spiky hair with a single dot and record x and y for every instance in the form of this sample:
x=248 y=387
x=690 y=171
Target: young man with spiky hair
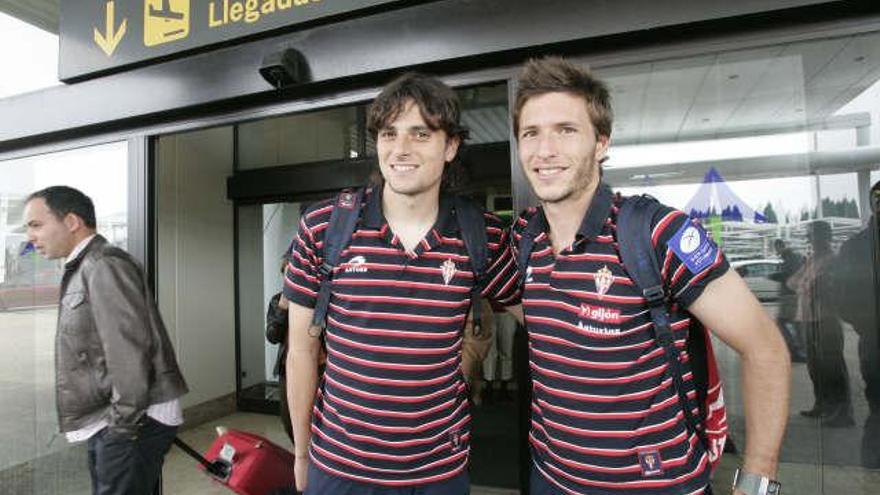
x=606 y=418
x=391 y=409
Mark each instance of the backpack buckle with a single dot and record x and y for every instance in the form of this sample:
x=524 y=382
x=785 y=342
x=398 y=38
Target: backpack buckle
x=325 y=269
x=654 y=295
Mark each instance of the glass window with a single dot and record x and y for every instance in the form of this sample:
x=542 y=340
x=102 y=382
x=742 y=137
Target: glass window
x=775 y=150
x=334 y=134
x=34 y=457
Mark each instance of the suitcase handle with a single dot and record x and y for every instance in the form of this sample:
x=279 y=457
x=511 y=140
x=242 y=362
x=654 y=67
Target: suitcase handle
x=218 y=468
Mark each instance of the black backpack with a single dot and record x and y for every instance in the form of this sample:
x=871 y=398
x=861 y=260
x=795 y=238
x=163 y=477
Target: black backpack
x=634 y=225
x=343 y=223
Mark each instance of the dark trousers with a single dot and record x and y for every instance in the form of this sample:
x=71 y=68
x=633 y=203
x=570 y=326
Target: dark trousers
x=322 y=483
x=826 y=365
x=122 y=464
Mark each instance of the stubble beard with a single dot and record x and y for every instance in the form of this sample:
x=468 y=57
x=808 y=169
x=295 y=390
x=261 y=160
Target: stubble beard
x=587 y=178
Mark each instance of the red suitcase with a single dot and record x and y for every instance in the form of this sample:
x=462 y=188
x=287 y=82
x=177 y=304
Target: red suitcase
x=246 y=463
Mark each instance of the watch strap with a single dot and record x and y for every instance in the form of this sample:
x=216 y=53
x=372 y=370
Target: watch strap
x=755 y=484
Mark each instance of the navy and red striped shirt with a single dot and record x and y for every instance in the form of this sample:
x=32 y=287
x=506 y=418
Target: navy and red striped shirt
x=605 y=416
x=392 y=407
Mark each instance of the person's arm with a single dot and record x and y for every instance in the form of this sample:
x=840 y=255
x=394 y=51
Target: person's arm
x=475 y=347
x=730 y=310
x=301 y=371
x=119 y=306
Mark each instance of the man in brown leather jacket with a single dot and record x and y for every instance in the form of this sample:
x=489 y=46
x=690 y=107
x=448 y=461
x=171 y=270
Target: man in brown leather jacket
x=117 y=378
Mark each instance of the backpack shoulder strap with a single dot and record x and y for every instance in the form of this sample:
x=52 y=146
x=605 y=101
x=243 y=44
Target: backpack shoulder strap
x=524 y=246
x=340 y=228
x=634 y=226
x=473 y=232
x=472 y=224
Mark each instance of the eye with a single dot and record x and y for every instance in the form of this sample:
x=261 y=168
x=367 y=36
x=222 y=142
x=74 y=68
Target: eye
x=422 y=135
x=387 y=134
x=528 y=133
x=567 y=130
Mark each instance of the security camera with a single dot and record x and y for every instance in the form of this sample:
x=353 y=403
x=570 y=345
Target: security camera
x=284 y=68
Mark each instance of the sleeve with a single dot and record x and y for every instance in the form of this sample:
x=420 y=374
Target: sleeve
x=688 y=257
x=502 y=277
x=301 y=282
x=119 y=306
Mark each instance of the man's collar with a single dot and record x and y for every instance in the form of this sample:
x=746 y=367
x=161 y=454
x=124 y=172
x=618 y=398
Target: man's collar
x=79 y=251
x=597 y=213
x=374 y=218
x=593 y=220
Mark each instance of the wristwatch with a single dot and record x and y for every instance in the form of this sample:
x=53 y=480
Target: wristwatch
x=755 y=484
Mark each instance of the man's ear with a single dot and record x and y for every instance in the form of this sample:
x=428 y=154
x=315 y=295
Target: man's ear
x=73 y=222
x=452 y=145
x=602 y=143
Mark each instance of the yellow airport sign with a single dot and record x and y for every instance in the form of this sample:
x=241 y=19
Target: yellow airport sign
x=110 y=38
x=165 y=21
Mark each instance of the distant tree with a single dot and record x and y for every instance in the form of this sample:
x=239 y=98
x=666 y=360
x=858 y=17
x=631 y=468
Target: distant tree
x=770 y=214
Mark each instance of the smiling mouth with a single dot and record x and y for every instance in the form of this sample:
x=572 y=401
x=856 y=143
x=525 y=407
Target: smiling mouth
x=548 y=171
x=403 y=168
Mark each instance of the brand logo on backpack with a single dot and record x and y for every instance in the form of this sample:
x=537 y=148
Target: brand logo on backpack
x=346 y=200
x=357 y=265
x=448 y=268
x=603 y=278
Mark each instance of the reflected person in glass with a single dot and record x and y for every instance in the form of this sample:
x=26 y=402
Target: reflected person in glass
x=858 y=289
x=817 y=314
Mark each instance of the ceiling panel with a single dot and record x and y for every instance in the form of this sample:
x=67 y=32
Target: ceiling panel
x=40 y=13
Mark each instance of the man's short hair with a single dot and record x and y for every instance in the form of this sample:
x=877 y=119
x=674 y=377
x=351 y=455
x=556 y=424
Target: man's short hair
x=557 y=75
x=62 y=200
x=437 y=103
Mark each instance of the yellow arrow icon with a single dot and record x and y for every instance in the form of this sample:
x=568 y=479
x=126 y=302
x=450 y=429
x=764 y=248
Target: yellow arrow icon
x=111 y=38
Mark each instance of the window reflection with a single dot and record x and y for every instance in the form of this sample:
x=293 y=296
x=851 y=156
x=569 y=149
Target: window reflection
x=35 y=459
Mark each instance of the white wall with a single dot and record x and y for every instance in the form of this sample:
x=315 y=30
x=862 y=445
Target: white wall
x=195 y=277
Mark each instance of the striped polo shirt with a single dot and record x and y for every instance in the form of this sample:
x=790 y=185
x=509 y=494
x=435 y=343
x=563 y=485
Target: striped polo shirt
x=392 y=407
x=606 y=418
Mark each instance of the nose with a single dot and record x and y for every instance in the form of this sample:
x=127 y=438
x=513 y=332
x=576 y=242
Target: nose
x=402 y=146
x=547 y=145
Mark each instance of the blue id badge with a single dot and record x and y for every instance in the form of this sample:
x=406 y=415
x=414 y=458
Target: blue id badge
x=694 y=247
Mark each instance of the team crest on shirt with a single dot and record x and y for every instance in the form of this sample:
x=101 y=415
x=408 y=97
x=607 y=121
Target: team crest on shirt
x=455 y=440
x=603 y=280
x=448 y=269
x=650 y=463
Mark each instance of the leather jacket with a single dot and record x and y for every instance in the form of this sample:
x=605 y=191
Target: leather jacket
x=113 y=357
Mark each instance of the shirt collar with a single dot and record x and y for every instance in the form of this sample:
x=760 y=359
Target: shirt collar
x=374 y=218
x=594 y=218
x=597 y=213
x=78 y=249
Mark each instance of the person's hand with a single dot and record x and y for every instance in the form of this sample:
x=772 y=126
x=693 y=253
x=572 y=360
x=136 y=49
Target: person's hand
x=300 y=471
